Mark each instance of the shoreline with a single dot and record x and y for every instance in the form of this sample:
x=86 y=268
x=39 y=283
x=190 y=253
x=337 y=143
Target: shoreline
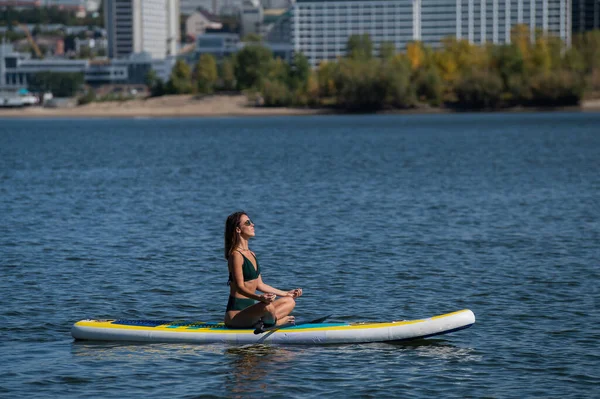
x=228 y=106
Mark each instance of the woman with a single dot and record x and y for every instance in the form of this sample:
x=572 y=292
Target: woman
x=243 y=310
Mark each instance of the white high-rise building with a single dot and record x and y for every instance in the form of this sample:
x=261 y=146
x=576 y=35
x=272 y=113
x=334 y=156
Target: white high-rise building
x=320 y=28
x=136 y=26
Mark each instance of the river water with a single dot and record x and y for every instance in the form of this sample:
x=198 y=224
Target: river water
x=377 y=218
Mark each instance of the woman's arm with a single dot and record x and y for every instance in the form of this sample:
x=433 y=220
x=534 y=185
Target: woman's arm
x=267 y=288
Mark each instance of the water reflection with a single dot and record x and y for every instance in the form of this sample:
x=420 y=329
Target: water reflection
x=253 y=365
x=115 y=351
x=439 y=349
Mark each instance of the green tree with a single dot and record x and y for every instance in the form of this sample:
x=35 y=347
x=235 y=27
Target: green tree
x=155 y=85
x=428 y=86
x=206 y=73
x=276 y=94
x=479 y=90
x=363 y=85
x=60 y=84
x=394 y=82
x=252 y=64
x=508 y=61
x=279 y=70
x=359 y=47
x=300 y=72
x=252 y=38
x=326 y=77
x=557 y=88
x=227 y=74
x=588 y=45
x=180 y=81
x=387 y=50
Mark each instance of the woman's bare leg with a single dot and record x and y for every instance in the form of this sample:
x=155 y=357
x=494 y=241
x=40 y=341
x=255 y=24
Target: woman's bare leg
x=276 y=311
x=283 y=307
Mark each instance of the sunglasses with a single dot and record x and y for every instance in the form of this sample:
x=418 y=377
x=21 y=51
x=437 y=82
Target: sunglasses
x=248 y=222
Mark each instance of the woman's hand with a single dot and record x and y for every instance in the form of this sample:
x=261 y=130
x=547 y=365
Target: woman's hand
x=295 y=293
x=267 y=298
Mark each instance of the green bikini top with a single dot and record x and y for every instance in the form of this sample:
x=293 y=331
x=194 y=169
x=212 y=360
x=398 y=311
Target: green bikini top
x=250 y=273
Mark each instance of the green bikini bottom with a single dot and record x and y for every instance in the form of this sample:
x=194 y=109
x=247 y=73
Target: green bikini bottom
x=239 y=303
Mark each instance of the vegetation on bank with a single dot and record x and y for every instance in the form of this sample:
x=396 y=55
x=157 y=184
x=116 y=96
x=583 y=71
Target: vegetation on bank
x=457 y=75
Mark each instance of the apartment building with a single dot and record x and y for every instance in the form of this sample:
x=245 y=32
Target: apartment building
x=136 y=26
x=586 y=15
x=320 y=28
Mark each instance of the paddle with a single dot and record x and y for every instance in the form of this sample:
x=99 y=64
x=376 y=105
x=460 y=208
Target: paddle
x=262 y=329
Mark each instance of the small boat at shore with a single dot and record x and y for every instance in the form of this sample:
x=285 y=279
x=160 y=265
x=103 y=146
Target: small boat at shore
x=182 y=331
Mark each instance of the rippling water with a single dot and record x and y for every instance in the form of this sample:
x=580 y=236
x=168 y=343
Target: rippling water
x=376 y=217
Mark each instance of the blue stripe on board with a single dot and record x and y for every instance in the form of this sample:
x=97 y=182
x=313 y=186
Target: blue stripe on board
x=141 y=323
x=212 y=325
x=316 y=325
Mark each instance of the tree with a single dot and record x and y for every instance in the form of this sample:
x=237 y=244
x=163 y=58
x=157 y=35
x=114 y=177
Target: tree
x=227 y=74
x=428 y=85
x=558 y=88
x=180 y=81
x=359 y=47
x=154 y=84
x=479 y=90
x=508 y=61
x=252 y=38
x=275 y=93
x=588 y=45
x=416 y=54
x=326 y=76
x=206 y=73
x=252 y=64
x=300 y=71
x=60 y=84
x=387 y=50
x=395 y=76
x=371 y=85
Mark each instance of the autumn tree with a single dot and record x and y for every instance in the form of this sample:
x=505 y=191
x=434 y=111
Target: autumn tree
x=206 y=74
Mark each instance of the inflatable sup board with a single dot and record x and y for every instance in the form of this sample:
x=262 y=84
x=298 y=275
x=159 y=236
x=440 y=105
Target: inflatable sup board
x=302 y=333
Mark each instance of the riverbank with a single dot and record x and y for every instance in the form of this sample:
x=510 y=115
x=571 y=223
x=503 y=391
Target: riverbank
x=209 y=106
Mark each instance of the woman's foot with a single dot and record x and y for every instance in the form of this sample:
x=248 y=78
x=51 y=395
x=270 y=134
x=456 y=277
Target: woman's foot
x=286 y=320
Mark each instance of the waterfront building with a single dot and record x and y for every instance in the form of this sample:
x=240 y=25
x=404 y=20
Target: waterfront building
x=220 y=45
x=252 y=17
x=223 y=45
x=277 y=26
x=136 y=26
x=128 y=71
x=586 y=15
x=16 y=68
x=199 y=21
x=188 y=7
x=320 y=28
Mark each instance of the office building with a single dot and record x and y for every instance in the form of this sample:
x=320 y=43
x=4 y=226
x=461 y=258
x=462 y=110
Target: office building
x=586 y=15
x=320 y=28
x=136 y=26
x=17 y=68
x=199 y=21
x=188 y=7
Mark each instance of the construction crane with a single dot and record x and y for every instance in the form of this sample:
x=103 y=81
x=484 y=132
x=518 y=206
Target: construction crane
x=32 y=42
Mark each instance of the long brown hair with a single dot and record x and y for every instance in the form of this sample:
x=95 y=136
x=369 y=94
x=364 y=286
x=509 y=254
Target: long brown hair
x=231 y=239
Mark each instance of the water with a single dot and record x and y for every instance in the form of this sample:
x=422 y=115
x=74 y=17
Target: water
x=375 y=217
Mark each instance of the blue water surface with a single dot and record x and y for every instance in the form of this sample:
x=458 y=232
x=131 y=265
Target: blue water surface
x=376 y=217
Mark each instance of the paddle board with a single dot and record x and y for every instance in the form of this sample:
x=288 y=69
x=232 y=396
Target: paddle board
x=307 y=333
